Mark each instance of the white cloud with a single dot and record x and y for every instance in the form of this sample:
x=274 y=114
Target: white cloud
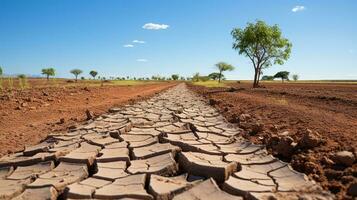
x=298 y=8
x=141 y=60
x=128 y=46
x=139 y=41
x=152 y=26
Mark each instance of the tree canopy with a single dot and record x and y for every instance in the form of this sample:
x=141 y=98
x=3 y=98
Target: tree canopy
x=48 y=72
x=283 y=75
x=1 y=71
x=93 y=73
x=267 y=78
x=175 y=77
x=215 y=76
x=222 y=66
x=76 y=72
x=264 y=45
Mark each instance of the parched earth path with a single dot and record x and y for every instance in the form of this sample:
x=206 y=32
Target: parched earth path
x=172 y=146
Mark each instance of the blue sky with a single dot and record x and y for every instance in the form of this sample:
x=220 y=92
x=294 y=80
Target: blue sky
x=185 y=36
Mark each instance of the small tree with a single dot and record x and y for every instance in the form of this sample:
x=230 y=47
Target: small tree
x=48 y=72
x=93 y=73
x=175 y=77
x=283 y=75
x=182 y=78
x=295 y=77
x=267 y=78
x=215 y=75
x=264 y=45
x=1 y=71
x=76 y=72
x=196 y=77
x=222 y=66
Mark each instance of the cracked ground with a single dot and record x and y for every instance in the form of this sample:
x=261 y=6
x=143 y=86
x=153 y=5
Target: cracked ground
x=172 y=146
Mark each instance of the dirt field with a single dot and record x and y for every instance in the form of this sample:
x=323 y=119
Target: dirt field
x=27 y=116
x=288 y=110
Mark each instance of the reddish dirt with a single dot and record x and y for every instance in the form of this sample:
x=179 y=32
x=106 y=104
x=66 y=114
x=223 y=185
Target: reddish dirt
x=28 y=116
x=328 y=109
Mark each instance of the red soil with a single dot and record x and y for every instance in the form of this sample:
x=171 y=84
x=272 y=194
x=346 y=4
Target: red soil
x=329 y=109
x=28 y=116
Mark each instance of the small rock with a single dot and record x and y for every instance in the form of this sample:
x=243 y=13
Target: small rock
x=72 y=127
x=332 y=174
x=234 y=119
x=311 y=168
x=310 y=139
x=45 y=93
x=61 y=121
x=212 y=102
x=327 y=161
x=256 y=128
x=32 y=108
x=282 y=145
x=89 y=114
x=285 y=133
x=352 y=189
x=245 y=117
x=344 y=157
x=114 y=110
x=24 y=104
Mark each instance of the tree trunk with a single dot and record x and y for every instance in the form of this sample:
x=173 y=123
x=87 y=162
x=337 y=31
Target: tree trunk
x=76 y=77
x=220 y=75
x=282 y=80
x=48 y=77
x=258 y=78
x=255 y=78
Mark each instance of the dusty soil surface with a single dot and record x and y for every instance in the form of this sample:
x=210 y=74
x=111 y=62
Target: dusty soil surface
x=28 y=116
x=283 y=112
x=171 y=146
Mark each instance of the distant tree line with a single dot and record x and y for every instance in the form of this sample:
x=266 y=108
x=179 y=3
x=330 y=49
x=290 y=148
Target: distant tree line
x=283 y=75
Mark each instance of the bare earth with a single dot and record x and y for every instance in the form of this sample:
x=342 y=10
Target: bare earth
x=171 y=146
x=281 y=110
x=27 y=117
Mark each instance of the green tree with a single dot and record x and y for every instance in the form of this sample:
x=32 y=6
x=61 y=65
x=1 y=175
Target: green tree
x=1 y=71
x=93 y=73
x=175 y=77
x=267 y=78
x=295 y=77
x=76 y=72
x=283 y=75
x=222 y=66
x=215 y=75
x=49 y=72
x=264 y=45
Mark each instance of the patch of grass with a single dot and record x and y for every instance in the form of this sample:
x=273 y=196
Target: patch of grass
x=210 y=83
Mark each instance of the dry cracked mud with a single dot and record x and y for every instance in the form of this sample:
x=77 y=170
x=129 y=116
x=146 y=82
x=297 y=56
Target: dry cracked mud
x=172 y=146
